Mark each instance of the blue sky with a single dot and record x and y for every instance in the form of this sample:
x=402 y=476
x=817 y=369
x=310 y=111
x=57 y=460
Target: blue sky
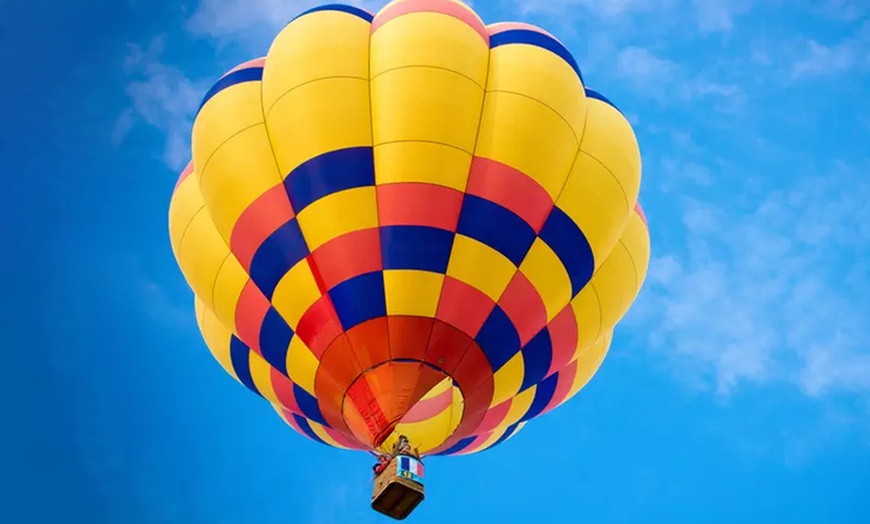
x=737 y=389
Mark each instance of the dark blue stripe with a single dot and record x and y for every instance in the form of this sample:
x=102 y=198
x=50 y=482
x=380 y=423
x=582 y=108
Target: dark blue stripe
x=525 y=36
x=248 y=74
x=537 y=357
x=308 y=405
x=416 y=247
x=507 y=434
x=306 y=428
x=359 y=299
x=498 y=339
x=497 y=227
x=570 y=245
x=282 y=250
x=598 y=96
x=239 y=357
x=275 y=336
x=330 y=173
x=349 y=9
x=459 y=446
x=543 y=396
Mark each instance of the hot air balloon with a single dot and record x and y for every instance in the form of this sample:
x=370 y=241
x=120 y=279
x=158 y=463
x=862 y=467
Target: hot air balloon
x=410 y=224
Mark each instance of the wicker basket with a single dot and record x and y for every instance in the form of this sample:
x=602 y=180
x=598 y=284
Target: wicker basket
x=398 y=488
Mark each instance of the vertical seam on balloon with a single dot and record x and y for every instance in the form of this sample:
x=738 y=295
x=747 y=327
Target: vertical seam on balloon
x=380 y=246
x=234 y=329
x=313 y=80
x=308 y=259
x=538 y=233
x=187 y=226
x=555 y=201
x=223 y=143
x=618 y=182
x=214 y=286
x=465 y=397
x=633 y=265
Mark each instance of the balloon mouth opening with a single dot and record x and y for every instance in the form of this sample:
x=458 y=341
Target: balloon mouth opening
x=415 y=399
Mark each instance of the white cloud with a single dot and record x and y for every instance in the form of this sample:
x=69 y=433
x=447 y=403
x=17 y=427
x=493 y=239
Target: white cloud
x=163 y=97
x=716 y=16
x=815 y=59
x=666 y=81
x=232 y=18
x=707 y=16
x=773 y=294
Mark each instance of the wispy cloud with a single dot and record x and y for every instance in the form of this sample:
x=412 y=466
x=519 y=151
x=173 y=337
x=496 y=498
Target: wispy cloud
x=666 y=81
x=232 y=18
x=163 y=97
x=769 y=293
x=704 y=16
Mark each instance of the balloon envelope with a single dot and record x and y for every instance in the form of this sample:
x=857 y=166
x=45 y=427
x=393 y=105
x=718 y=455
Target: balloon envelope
x=410 y=223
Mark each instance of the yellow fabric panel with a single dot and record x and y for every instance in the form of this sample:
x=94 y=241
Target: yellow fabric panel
x=528 y=136
x=239 y=172
x=637 y=242
x=231 y=110
x=520 y=405
x=588 y=364
x=295 y=293
x=433 y=40
x=216 y=336
x=301 y=365
x=480 y=266
x=540 y=74
x=261 y=373
x=319 y=45
x=587 y=313
x=610 y=139
x=547 y=274
x=616 y=285
x=412 y=292
x=595 y=200
x=201 y=255
x=508 y=380
x=337 y=214
x=433 y=164
x=423 y=134
x=319 y=117
x=186 y=202
x=427 y=434
x=228 y=285
x=425 y=104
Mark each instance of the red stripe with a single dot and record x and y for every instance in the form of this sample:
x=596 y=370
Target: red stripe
x=563 y=337
x=283 y=387
x=641 y=213
x=510 y=188
x=263 y=217
x=563 y=386
x=419 y=204
x=523 y=305
x=428 y=408
x=257 y=62
x=348 y=256
x=494 y=417
x=501 y=27
x=251 y=309
x=445 y=7
x=463 y=306
x=184 y=174
x=319 y=326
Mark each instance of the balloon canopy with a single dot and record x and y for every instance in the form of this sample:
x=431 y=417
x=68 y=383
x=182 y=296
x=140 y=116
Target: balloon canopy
x=410 y=223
